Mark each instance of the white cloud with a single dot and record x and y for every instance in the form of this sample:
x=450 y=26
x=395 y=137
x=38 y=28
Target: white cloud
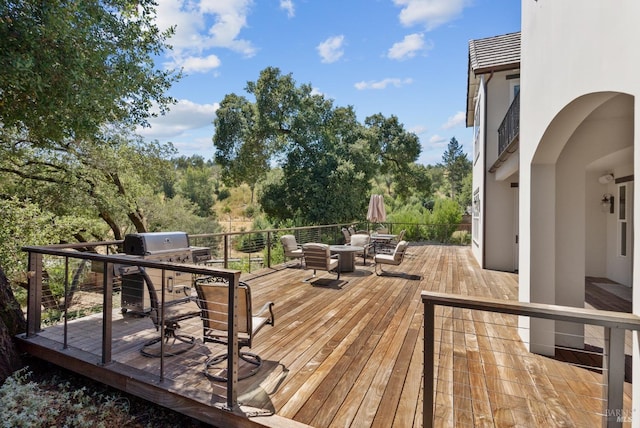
x=331 y=49
x=182 y=117
x=288 y=6
x=382 y=84
x=430 y=13
x=437 y=141
x=195 y=64
x=419 y=129
x=455 y=120
x=409 y=47
x=204 y=24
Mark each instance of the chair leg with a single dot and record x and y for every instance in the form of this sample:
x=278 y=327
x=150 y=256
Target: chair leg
x=209 y=365
x=170 y=349
x=375 y=268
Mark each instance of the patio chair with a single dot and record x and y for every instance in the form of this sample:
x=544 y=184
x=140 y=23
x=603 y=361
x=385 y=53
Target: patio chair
x=174 y=312
x=318 y=257
x=364 y=241
x=391 y=259
x=347 y=235
x=291 y=248
x=213 y=298
x=388 y=247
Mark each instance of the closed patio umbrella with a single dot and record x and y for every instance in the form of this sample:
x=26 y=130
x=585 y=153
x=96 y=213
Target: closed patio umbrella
x=376 y=212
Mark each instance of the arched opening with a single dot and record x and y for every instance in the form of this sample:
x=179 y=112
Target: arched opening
x=571 y=235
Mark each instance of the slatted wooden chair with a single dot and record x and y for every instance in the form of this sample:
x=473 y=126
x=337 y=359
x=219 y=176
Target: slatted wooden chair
x=394 y=259
x=213 y=298
x=318 y=257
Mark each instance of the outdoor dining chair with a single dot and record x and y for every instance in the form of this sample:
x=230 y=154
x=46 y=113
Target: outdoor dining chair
x=213 y=298
x=364 y=241
x=291 y=248
x=394 y=259
x=173 y=313
x=318 y=257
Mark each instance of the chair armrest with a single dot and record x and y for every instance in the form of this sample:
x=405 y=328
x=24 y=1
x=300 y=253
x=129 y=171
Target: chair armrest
x=335 y=256
x=267 y=307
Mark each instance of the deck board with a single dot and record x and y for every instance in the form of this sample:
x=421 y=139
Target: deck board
x=352 y=356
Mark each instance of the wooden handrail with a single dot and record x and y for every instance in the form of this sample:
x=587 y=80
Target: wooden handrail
x=613 y=362
x=537 y=310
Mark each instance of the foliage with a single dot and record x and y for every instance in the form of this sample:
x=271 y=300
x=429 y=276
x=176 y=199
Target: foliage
x=457 y=167
x=326 y=158
x=29 y=399
x=253 y=242
x=177 y=214
x=410 y=217
x=77 y=78
x=69 y=68
x=25 y=223
x=464 y=197
x=444 y=220
x=197 y=187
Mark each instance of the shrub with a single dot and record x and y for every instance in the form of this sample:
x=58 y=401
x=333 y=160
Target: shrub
x=444 y=220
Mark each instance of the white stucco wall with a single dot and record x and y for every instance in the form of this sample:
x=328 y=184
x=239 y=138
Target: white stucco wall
x=576 y=56
x=496 y=249
x=477 y=243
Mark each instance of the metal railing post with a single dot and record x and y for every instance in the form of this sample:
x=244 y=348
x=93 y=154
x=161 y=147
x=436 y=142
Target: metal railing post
x=34 y=294
x=107 y=313
x=613 y=367
x=429 y=348
x=226 y=251
x=232 y=344
x=269 y=235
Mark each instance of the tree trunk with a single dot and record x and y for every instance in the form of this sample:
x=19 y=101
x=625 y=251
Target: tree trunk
x=12 y=322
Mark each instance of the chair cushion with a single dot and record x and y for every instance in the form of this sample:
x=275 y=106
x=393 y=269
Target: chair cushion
x=388 y=259
x=398 y=253
x=289 y=242
x=360 y=240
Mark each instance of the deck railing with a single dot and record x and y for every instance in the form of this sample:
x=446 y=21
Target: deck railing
x=73 y=281
x=249 y=250
x=73 y=277
x=510 y=127
x=615 y=325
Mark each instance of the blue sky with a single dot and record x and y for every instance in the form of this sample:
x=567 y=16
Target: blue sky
x=406 y=58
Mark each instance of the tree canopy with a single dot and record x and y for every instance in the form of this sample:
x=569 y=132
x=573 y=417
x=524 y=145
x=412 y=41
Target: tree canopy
x=326 y=156
x=69 y=68
x=76 y=78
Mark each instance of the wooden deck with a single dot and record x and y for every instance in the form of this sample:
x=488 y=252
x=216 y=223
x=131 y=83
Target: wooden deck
x=351 y=354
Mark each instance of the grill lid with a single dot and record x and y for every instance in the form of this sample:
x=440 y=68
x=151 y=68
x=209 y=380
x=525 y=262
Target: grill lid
x=142 y=244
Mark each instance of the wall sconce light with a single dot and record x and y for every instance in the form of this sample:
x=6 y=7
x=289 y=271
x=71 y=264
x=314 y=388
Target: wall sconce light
x=605 y=179
x=607 y=203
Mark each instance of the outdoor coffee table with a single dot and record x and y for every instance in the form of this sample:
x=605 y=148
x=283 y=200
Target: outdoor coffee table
x=347 y=256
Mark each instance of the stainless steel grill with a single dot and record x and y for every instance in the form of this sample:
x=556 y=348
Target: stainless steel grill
x=164 y=247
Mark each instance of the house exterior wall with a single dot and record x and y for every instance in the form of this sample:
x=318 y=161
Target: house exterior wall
x=577 y=57
x=494 y=248
x=479 y=156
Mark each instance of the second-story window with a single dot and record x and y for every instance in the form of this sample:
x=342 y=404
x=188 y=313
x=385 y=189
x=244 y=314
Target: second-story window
x=476 y=129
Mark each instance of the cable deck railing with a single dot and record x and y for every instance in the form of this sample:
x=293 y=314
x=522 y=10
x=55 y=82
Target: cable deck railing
x=463 y=327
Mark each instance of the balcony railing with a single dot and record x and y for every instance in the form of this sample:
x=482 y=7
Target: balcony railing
x=438 y=324
x=509 y=129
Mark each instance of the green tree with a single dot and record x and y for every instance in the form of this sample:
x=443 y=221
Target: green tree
x=326 y=156
x=196 y=185
x=69 y=68
x=70 y=72
x=456 y=165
